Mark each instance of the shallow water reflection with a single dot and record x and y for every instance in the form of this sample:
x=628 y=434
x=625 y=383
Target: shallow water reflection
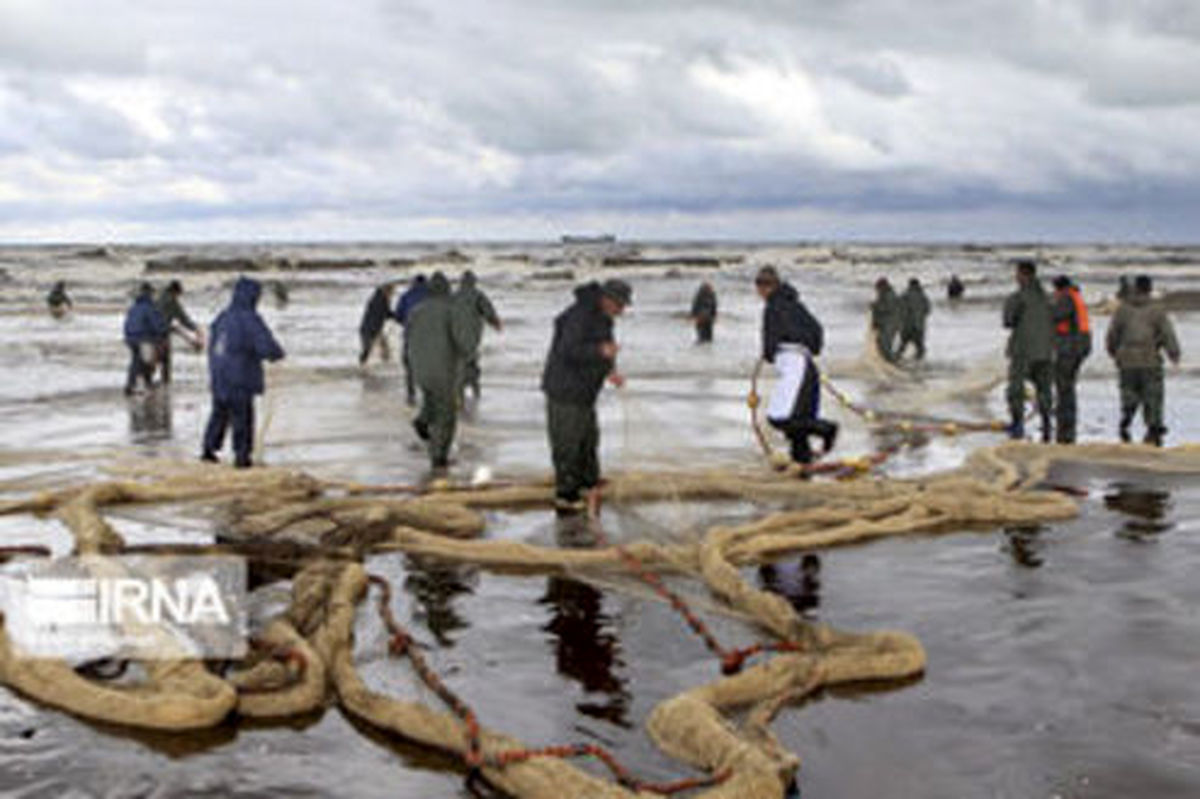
x=1145 y=509
x=435 y=585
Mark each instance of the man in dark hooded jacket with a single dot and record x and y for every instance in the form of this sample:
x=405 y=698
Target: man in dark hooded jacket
x=437 y=343
x=173 y=313
x=370 y=329
x=408 y=302
x=791 y=336
x=704 y=312
x=239 y=341
x=475 y=309
x=582 y=356
x=885 y=319
x=914 y=311
x=1140 y=331
x=1028 y=315
x=144 y=328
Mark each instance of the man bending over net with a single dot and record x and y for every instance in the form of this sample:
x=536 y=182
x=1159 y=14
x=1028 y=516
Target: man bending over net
x=791 y=336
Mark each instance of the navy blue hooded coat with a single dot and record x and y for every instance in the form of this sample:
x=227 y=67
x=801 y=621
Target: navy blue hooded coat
x=239 y=341
x=143 y=322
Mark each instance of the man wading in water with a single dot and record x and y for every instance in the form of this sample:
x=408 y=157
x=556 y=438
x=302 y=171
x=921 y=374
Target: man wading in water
x=582 y=355
x=791 y=336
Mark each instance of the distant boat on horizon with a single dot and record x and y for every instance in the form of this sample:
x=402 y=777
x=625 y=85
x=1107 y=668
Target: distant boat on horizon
x=603 y=238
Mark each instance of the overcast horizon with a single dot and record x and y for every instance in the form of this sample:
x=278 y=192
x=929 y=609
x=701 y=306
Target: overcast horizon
x=761 y=120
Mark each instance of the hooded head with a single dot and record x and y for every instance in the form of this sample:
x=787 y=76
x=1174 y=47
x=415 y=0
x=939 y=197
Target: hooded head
x=468 y=280
x=1026 y=271
x=1062 y=282
x=913 y=283
x=438 y=284
x=246 y=292
x=175 y=287
x=145 y=292
x=766 y=281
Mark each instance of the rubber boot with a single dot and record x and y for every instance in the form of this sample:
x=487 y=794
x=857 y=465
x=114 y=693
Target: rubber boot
x=1154 y=436
x=1123 y=430
x=1047 y=428
x=1016 y=430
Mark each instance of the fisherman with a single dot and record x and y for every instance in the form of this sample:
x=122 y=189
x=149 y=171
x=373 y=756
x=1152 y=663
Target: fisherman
x=704 y=312
x=177 y=320
x=279 y=290
x=1124 y=289
x=57 y=300
x=409 y=300
x=885 y=319
x=1072 y=344
x=1138 y=333
x=1028 y=315
x=955 y=288
x=436 y=342
x=475 y=309
x=914 y=310
x=239 y=342
x=370 y=330
x=144 y=328
x=791 y=337
x=582 y=355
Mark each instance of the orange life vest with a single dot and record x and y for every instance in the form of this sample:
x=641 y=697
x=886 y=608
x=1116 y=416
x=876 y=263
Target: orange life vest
x=1081 y=315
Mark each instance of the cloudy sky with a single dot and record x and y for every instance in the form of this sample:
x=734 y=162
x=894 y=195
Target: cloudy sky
x=757 y=119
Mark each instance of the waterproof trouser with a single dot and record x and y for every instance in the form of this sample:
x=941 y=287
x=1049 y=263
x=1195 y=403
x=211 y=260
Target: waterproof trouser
x=237 y=411
x=914 y=336
x=1066 y=374
x=1142 y=388
x=795 y=404
x=410 y=386
x=1039 y=373
x=438 y=419
x=164 y=360
x=704 y=331
x=369 y=342
x=574 y=440
x=885 y=341
x=137 y=368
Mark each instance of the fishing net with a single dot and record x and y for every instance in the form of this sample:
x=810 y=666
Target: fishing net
x=304 y=658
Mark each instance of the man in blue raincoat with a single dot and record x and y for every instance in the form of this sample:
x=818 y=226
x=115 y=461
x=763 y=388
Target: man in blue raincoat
x=239 y=341
x=144 y=328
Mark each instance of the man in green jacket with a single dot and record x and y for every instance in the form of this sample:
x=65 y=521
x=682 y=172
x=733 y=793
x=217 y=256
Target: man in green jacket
x=914 y=310
x=474 y=308
x=1027 y=314
x=177 y=319
x=1137 y=335
x=885 y=319
x=437 y=343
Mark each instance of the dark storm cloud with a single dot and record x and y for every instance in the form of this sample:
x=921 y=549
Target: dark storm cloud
x=288 y=112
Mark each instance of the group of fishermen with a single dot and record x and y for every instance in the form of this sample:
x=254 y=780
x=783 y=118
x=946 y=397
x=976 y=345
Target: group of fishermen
x=899 y=320
x=442 y=333
x=239 y=342
x=149 y=324
x=442 y=330
x=1051 y=336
